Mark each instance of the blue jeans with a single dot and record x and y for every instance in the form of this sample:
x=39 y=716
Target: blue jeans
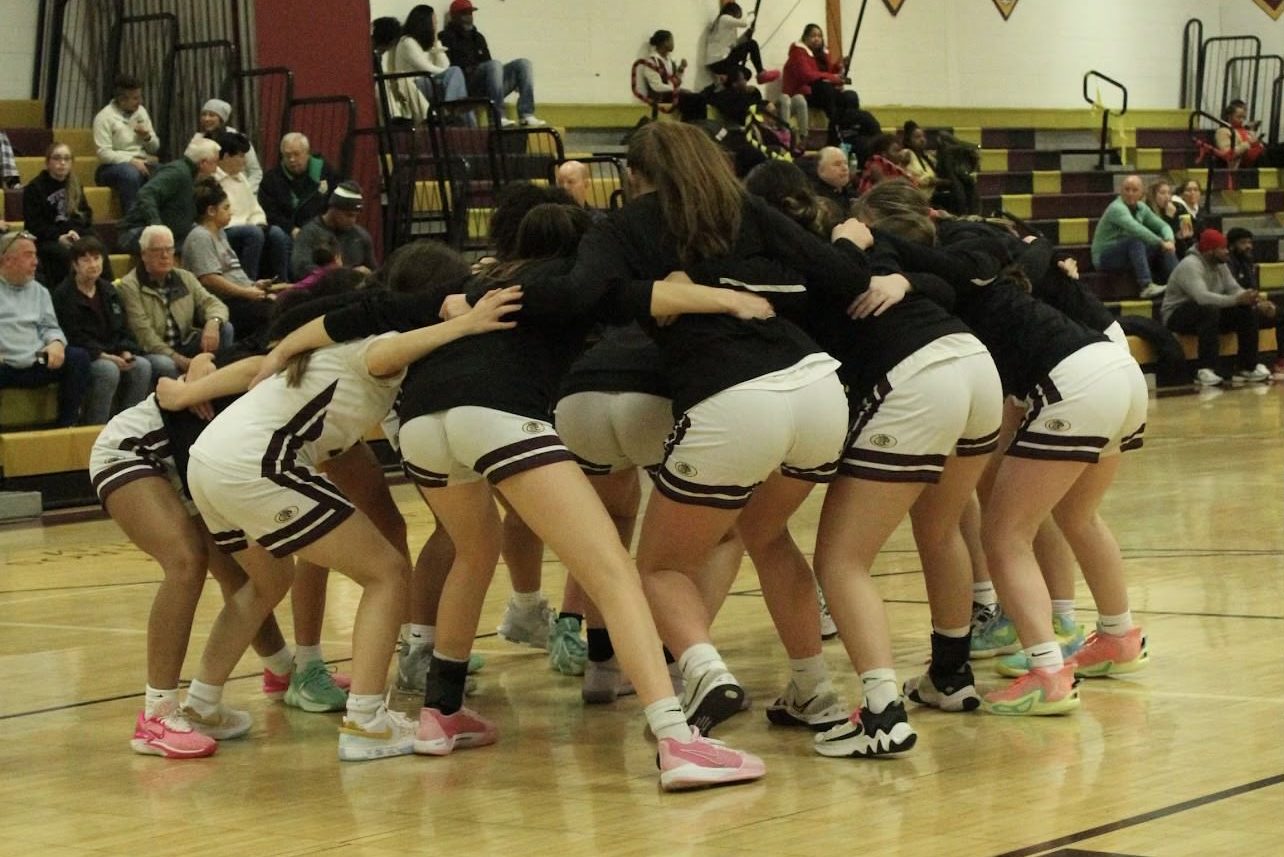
x=72 y=378
x=247 y=243
x=124 y=178
x=451 y=87
x=163 y=366
x=109 y=382
x=1133 y=254
x=495 y=80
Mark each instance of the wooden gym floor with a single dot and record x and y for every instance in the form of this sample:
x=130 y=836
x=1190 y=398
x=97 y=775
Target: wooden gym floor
x=1183 y=759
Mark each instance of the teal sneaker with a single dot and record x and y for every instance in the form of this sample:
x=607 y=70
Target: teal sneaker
x=312 y=688
x=1069 y=635
x=567 y=651
x=998 y=636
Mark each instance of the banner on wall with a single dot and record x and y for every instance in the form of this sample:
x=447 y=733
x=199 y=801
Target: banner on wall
x=1007 y=7
x=894 y=6
x=1274 y=8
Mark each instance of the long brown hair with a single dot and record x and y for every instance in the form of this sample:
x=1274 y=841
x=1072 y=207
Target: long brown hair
x=74 y=192
x=699 y=196
x=897 y=207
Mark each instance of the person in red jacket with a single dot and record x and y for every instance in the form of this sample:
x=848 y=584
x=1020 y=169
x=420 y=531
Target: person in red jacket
x=812 y=73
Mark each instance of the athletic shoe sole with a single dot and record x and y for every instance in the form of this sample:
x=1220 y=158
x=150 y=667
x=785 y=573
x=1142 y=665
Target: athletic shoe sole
x=963 y=699
x=158 y=748
x=901 y=739
x=719 y=704
x=1032 y=705
x=1109 y=668
x=361 y=751
x=446 y=746
x=312 y=706
x=689 y=777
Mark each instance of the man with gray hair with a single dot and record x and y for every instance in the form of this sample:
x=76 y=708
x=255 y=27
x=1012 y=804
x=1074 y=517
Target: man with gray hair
x=172 y=315
x=834 y=177
x=33 y=348
x=298 y=190
x=169 y=198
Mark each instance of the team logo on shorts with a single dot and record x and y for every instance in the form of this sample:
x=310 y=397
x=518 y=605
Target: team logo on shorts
x=285 y=516
x=883 y=441
x=684 y=469
x=1056 y=425
x=533 y=427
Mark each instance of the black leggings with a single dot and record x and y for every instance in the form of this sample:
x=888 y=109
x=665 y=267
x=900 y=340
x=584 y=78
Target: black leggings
x=734 y=60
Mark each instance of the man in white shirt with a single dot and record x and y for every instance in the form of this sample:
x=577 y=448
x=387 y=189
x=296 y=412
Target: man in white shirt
x=126 y=142
x=264 y=250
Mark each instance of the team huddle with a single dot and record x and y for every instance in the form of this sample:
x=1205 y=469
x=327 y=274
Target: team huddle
x=741 y=344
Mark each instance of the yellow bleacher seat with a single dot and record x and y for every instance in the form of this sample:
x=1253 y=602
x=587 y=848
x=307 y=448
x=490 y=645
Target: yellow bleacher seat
x=29 y=168
x=35 y=453
x=22 y=407
x=1227 y=345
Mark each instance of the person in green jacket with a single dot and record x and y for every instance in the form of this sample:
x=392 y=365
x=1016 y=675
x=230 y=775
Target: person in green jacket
x=169 y=198
x=1131 y=237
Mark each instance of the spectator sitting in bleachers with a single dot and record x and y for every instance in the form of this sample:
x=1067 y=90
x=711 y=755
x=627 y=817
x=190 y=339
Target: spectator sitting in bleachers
x=339 y=222
x=33 y=349
x=215 y=114
x=663 y=76
x=1203 y=298
x=575 y=178
x=834 y=177
x=1188 y=199
x=886 y=160
x=486 y=77
x=55 y=210
x=326 y=257
x=172 y=316
x=92 y=316
x=126 y=142
x=263 y=249
x=814 y=74
x=9 y=176
x=169 y=199
x=418 y=49
x=919 y=165
x=733 y=96
x=296 y=191
x=1159 y=198
x=1243 y=267
x=1131 y=237
x=210 y=258
x=730 y=43
x=1238 y=145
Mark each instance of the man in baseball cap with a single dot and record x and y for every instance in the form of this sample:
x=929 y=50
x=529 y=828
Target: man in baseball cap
x=486 y=77
x=1203 y=298
x=337 y=226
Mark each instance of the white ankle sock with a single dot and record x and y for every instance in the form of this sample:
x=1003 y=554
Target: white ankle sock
x=1045 y=656
x=698 y=660
x=364 y=709
x=983 y=593
x=304 y=655
x=1117 y=625
x=1063 y=608
x=880 y=688
x=666 y=719
x=954 y=633
x=280 y=663
x=155 y=700
x=527 y=599
x=204 y=698
x=420 y=635
x=808 y=673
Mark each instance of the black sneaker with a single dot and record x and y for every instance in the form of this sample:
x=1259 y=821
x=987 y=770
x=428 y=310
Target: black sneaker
x=867 y=734
x=711 y=699
x=958 y=693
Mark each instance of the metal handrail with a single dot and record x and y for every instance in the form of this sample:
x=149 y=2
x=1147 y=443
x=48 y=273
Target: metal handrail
x=1277 y=95
x=1187 y=60
x=1202 y=65
x=1104 y=148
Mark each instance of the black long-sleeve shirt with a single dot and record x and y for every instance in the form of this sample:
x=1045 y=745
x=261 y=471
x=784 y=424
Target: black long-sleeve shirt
x=96 y=324
x=467 y=48
x=44 y=210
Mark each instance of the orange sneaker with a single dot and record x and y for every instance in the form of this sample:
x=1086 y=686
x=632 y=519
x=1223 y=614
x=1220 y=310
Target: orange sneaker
x=1105 y=654
x=1038 y=692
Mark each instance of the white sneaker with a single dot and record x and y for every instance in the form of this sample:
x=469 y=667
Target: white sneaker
x=828 y=630
x=527 y=624
x=223 y=724
x=1153 y=290
x=391 y=733
x=505 y=122
x=1208 y=378
x=1256 y=375
x=533 y=121
x=819 y=710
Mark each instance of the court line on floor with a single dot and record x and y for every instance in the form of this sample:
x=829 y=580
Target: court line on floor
x=1142 y=818
x=182 y=683
x=1087 y=609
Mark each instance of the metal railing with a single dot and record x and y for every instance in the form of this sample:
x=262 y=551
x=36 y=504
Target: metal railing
x=261 y=104
x=1192 y=38
x=1214 y=55
x=1105 y=149
x=143 y=46
x=199 y=71
x=1244 y=80
x=328 y=122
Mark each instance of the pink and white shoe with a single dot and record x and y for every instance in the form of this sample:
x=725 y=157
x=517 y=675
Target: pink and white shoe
x=169 y=734
x=342 y=680
x=439 y=733
x=274 y=685
x=702 y=762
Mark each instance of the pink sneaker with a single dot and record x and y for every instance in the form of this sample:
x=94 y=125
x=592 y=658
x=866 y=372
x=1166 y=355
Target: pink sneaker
x=702 y=762
x=342 y=680
x=1105 y=654
x=275 y=686
x=440 y=733
x=169 y=734
x=1040 y=691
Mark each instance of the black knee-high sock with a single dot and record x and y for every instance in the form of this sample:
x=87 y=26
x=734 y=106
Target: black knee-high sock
x=445 y=685
x=600 y=649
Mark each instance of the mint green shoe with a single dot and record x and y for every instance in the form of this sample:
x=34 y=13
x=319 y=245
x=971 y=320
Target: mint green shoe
x=312 y=688
x=1069 y=635
x=567 y=651
x=997 y=636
